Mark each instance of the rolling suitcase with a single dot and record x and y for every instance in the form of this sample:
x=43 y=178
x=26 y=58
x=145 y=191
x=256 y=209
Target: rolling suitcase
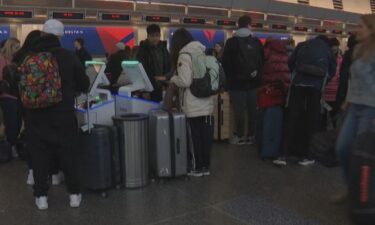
x=362 y=180
x=168 y=144
x=269 y=132
x=223 y=115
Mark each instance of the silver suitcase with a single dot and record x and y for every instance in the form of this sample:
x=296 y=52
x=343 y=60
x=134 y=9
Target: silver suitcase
x=168 y=144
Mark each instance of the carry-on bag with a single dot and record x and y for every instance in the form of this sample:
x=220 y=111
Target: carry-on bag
x=362 y=180
x=168 y=144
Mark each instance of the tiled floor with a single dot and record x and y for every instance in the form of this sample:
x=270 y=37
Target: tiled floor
x=242 y=190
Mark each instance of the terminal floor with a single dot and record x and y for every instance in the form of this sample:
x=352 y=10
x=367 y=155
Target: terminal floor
x=242 y=190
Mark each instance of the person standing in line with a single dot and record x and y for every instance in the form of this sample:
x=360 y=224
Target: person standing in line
x=11 y=46
x=360 y=100
x=243 y=60
x=198 y=110
x=54 y=130
x=81 y=52
x=312 y=65
x=219 y=50
x=154 y=56
x=332 y=86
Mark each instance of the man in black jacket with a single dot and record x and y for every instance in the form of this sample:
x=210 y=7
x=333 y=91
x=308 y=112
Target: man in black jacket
x=53 y=131
x=154 y=56
x=81 y=51
x=240 y=51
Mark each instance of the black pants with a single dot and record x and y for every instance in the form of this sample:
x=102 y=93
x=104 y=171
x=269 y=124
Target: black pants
x=53 y=135
x=202 y=132
x=303 y=120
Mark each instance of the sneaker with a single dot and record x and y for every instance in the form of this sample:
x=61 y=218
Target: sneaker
x=234 y=140
x=14 y=152
x=250 y=140
x=41 y=202
x=195 y=173
x=75 y=200
x=57 y=179
x=30 y=178
x=206 y=172
x=306 y=162
x=280 y=162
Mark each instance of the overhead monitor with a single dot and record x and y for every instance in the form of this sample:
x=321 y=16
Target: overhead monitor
x=137 y=77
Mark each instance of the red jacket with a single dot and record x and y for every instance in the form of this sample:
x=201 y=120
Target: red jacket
x=276 y=76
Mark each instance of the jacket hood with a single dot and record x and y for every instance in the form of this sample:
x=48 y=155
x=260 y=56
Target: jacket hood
x=277 y=45
x=146 y=44
x=243 y=32
x=193 y=47
x=46 y=43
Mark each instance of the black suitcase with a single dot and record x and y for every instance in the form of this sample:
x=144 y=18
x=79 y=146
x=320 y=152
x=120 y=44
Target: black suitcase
x=362 y=179
x=96 y=160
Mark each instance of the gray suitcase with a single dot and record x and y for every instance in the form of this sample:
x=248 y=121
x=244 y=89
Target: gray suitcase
x=168 y=144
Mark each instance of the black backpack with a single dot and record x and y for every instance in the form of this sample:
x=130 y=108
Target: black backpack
x=249 y=60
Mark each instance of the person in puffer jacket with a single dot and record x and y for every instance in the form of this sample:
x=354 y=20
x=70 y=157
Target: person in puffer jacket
x=198 y=110
x=272 y=96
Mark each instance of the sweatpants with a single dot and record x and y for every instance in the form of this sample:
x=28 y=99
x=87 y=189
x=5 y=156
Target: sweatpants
x=202 y=134
x=304 y=119
x=53 y=136
x=244 y=103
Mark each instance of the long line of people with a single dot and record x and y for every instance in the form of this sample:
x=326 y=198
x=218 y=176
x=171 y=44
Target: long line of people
x=287 y=94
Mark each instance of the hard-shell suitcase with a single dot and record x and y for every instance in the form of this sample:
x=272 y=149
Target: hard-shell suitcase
x=362 y=179
x=223 y=115
x=168 y=144
x=269 y=131
x=96 y=164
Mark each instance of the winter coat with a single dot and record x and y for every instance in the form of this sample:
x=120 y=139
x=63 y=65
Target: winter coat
x=276 y=76
x=83 y=56
x=191 y=105
x=316 y=49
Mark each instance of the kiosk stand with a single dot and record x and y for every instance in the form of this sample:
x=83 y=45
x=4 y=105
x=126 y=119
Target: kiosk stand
x=139 y=82
x=97 y=106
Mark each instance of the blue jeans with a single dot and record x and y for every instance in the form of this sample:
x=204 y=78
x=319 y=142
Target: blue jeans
x=359 y=119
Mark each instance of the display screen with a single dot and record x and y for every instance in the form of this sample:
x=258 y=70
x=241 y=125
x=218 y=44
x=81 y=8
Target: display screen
x=92 y=72
x=68 y=15
x=194 y=21
x=257 y=25
x=16 y=14
x=158 y=19
x=279 y=27
x=115 y=16
x=226 y=23
x=302 y=29
x=320 y=30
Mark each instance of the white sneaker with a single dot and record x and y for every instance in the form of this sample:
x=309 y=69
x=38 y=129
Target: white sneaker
x=14 y=152
x=57 y=179
x=206 y=172
x=75 y=200
x=195 y=173
x=234 y=140
x=42 y=203
x=306 y=162
x=280 y=162
x=30 y=178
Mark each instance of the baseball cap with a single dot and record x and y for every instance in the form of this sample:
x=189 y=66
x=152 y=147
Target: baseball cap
x=54 y=27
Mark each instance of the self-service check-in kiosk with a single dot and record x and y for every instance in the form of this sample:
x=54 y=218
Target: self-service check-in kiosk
x=139 y=82
x=98 y=106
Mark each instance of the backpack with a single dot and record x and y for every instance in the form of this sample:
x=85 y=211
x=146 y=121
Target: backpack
x=309 y=61
x=208 y=75
x=249 y=60
x=39 y=81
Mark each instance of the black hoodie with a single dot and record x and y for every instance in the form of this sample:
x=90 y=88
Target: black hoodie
x=73 y=76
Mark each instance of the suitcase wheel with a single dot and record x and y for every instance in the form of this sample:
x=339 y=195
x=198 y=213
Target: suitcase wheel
x=104 y=194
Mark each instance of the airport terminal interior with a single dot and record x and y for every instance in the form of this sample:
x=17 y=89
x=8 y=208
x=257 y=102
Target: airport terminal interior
x=243 y=187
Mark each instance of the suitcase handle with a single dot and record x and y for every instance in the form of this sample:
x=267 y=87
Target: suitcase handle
x=222 y=118
x=178 y=146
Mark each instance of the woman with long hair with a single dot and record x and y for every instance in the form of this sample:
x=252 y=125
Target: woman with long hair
x=11 y=46
x=360 y=105
x=198 y=110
